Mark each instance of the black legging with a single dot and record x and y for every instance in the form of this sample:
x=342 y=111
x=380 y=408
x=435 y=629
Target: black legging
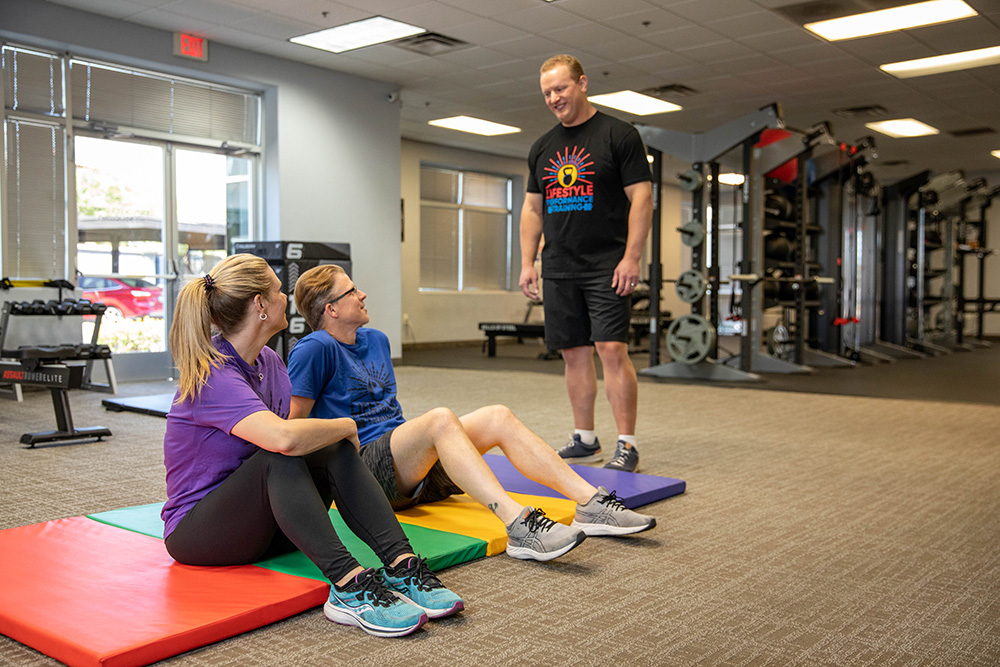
x=273 y=504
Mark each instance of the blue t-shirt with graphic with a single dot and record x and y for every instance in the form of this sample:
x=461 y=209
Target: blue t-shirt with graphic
x=355 y=381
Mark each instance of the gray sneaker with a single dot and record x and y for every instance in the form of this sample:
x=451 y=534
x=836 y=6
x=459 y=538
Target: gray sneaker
x=534 y=536
x=576 y=451
x=605 y=514
x=626 y=458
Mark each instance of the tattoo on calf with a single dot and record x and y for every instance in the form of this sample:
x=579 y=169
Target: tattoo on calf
x=493 y=507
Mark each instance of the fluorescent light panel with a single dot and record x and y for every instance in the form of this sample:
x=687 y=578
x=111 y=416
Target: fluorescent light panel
x=902 y=127
x=474 y=126
x=349 y=36
x=634 y=103
x=888 y=20
x=995 y=154
x=950 y=62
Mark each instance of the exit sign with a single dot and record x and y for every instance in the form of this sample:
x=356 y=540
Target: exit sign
x=190 y=46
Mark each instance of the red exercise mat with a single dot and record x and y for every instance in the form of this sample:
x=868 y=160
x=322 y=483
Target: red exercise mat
x=58 y=580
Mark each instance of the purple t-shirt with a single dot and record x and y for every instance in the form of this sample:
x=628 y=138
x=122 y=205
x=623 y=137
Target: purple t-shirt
x=198 y=450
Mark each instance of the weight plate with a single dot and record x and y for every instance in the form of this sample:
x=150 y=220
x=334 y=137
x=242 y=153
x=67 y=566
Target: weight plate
x=690 y=339
x=692 y=233
x=690 y=286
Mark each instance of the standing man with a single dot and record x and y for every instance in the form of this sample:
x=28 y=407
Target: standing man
x=590 y=192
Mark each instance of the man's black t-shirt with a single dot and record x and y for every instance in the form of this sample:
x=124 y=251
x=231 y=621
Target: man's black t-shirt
x=581 y=173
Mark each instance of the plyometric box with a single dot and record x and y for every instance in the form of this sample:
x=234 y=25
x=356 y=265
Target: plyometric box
x=290 y=259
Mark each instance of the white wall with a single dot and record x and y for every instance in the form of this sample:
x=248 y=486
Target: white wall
x=441 y=316
x=332 y=155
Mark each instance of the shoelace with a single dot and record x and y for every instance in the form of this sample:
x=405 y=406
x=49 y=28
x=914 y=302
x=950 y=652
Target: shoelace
x=421 y=575
x=536 y=521
x=621 y=456
x=369 y=585
x=612 y=501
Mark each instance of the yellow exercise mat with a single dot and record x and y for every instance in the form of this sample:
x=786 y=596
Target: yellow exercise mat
x=463 y=515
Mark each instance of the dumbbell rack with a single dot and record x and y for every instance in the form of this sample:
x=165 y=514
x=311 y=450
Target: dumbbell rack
x=63 y=309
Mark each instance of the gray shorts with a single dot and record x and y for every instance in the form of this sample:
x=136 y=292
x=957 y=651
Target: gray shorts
x=435 y=486
x=582 y=311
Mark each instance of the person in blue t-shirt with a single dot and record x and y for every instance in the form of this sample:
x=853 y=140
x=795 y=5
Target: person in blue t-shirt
x=244 y=483
x=343 y=369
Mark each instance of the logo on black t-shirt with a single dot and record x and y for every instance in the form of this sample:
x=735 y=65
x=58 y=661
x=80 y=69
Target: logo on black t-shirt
x=566 y=185
x=373 y=393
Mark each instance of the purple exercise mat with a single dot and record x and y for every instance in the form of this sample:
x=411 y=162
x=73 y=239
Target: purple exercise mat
x=634 y=489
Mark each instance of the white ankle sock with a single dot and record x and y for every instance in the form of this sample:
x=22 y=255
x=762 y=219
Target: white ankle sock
x=586 y=437
x=630 y=439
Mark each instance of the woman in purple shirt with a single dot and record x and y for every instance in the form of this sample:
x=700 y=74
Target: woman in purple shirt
x=245 y=483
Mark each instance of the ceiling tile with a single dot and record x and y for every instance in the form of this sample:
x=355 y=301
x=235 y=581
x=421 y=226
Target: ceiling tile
x=649 y=20
x=118 y=9
x=490 y=8
x=623 y=49
x=716 y=52
x=541 y=19
x=704 y=12
x=602 y=9
x=529 y=47
x=484 y=32
x=434 y=16
x=273 y=26
x=213 y=11
x=585 y=33
x=748 y=25
x=782 y=39
x=682 y=38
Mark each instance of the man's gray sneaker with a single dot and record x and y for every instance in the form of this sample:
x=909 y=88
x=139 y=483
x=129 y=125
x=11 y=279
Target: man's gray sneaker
x=577 y=451
x=605 y=514
x=534 y=536
x=625 y=458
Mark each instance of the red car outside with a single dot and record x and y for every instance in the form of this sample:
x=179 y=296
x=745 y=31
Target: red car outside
x=124 y=297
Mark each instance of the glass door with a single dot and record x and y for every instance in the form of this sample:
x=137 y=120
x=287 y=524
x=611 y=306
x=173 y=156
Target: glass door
x=121 y=218
x=149 y=217
x=214 y=196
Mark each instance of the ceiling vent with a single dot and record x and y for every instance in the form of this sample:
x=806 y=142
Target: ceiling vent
x=431 y=44
x=972 y=132
x=870 y=111
x=672 y=90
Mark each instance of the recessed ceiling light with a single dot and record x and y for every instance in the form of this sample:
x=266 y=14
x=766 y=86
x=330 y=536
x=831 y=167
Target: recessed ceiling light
x=634 y=103
x=950 y=62
x=367 y=32
x=887 y=20
x=995 y=154
x=902 y=127
x=474 y=126
x=732 y=179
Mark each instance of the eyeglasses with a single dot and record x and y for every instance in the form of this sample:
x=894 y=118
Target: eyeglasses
x=353 y=290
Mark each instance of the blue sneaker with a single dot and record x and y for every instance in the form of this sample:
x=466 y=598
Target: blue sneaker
x=413 y=582
x=576 y=451
x=366 y=603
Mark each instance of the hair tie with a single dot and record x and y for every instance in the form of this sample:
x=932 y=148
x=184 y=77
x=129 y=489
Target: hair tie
x=209 y=283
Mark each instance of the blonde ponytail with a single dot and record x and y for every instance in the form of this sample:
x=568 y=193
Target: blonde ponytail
x=221 y=298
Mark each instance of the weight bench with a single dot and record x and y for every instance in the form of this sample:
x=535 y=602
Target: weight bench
x=45 y=367
x=513 y=329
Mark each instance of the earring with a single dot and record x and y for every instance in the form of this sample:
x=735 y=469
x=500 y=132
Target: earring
x=263 y=317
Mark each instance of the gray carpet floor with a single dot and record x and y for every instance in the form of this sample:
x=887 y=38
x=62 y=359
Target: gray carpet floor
x=964 y=377
x=816 y=530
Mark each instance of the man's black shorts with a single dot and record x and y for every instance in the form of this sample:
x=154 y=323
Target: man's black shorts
x=435 y=486
x=583 y=311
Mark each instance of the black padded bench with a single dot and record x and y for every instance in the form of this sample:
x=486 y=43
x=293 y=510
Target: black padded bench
x=517 y=330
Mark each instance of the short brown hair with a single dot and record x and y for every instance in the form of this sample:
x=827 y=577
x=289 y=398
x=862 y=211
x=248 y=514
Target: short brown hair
x=575 y=68
x=313 y=290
